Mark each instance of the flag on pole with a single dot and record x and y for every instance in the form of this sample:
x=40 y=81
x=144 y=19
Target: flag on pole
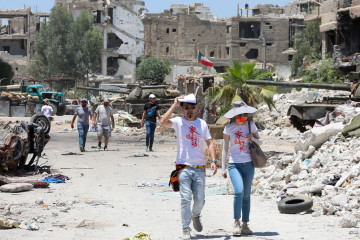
x=203 y=60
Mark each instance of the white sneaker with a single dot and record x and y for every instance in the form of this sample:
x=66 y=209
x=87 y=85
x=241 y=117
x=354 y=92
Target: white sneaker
x=186 y=233
x=237 y=229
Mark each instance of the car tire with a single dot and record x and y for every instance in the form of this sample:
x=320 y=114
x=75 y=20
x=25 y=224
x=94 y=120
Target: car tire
x=42 y=121
x=292 y=205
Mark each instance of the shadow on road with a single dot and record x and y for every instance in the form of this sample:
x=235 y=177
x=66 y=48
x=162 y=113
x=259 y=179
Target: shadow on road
x=224 y=237
x=266 y=234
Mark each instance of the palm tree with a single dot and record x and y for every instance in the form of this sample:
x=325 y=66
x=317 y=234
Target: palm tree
x=238 y=90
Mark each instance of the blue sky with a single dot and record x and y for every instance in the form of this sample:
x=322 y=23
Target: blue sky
x=222 y=8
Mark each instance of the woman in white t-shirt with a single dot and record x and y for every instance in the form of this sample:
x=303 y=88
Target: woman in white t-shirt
x=240 y=167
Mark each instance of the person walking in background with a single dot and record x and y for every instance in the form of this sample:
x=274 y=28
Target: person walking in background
x=151 y=111
x=102 y=116
x=241 y=168
x=47 y=110
x=84 y=114
x=191 y=132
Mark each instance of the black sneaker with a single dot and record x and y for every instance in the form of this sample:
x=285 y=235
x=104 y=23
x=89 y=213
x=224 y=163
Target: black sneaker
x=105 y=148
x=99 y=145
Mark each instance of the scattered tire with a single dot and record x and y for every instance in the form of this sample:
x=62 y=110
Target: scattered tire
x=42 y=121
x=292 y=205
x=54 y=107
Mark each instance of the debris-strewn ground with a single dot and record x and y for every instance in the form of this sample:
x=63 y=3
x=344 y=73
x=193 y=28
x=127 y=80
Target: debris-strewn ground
x=113 y=194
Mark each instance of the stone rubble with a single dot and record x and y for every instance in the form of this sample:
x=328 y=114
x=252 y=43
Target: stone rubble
x=319 y=154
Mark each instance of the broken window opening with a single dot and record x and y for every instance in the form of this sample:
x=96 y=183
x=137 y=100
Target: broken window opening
x=269 y=44
x=167 y=50
x=6 y=49
x=112 y=65
x=249 y=29
x=267 y=23
x=37 y=27
x=113 y=41
x=270 y=27
x=22 y=45
x=252 y=54
x=97 y=16
x=111 y=14
x=228 y=29
x=212 y=53
x=174 y=30
x=242 y=44
x=290 y=58
x=167 y=30
x=194 y=40
x=227 y=51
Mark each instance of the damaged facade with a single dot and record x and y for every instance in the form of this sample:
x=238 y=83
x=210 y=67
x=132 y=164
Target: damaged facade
x=261 y=37
x=18 y=30
x=123 y=32
x=340 y=32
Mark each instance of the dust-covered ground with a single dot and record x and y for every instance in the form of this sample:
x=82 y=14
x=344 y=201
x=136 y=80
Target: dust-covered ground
x=114 y=195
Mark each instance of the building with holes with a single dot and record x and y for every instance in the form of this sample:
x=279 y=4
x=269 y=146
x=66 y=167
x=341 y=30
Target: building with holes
x=123 y=32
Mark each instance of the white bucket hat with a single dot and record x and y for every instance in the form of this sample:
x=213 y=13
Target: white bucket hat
x=239 y=107
x=188 y=99
x=152 y=96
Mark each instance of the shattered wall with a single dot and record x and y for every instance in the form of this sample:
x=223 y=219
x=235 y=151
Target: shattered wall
x=122 y=29
x=18 y=36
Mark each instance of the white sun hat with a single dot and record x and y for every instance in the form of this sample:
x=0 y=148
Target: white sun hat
x=188 y=99
x=152 y=96
x=239 y=107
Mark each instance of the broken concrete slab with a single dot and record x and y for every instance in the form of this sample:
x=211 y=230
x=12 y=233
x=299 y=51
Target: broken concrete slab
x=317 y=136
x=16 y=187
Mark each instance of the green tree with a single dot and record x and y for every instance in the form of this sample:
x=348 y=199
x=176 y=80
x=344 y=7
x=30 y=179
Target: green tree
x=66 y=46
x=153 y=68
x=306 y=43
x=323 y=71
x=238 y=90
x=6 y=73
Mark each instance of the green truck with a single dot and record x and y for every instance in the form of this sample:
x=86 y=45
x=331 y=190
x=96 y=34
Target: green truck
x=57 y=101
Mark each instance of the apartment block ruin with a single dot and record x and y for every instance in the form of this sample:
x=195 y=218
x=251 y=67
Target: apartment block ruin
x=18 y=30
x=340 y=32
x=262 y=36
x=123 y=32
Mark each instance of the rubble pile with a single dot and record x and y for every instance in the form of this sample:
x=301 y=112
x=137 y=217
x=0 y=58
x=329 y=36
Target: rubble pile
x=124 y=119
x=277 y=117
x=325 y=165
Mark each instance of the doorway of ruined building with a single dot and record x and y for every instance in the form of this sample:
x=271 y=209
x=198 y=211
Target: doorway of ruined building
x=113 y=65
x=114 y=41
x=249 y=29
x=348 y=35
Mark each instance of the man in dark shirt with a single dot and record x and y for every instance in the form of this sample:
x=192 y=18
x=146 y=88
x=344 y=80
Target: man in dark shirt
x=151 y=110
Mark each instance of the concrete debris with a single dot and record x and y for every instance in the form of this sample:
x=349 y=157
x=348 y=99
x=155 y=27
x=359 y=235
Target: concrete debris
x=325 y=165
x=16 y=187
x=348 y=220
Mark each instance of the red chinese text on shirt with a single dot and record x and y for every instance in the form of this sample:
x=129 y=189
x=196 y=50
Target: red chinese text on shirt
x=240 y=140
x=193 y=136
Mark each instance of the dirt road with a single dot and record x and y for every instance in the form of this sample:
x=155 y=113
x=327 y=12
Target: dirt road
x=115 y=195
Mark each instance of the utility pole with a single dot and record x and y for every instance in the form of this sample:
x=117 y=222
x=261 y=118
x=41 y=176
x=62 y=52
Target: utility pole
x=263 y=53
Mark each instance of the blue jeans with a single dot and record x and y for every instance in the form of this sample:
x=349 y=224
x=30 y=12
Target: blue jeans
x=242 y=175
x=83 y=130
x=192 y=183
x=150 y=131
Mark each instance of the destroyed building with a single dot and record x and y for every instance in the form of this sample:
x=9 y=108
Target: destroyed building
x=262 y=36
x=340 y=32
x=197 y=9
x=18 y=30
x=123 y=32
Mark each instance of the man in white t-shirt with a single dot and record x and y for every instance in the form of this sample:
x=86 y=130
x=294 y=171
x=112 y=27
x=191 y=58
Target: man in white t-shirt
x=191 y=132
x=46 y=109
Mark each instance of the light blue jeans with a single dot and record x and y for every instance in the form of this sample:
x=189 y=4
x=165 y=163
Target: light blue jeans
x=83 y=130
x=242 y=175
x=192 y=183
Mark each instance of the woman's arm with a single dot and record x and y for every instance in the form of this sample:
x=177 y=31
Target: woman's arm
x=255 y=137
x=224 y=154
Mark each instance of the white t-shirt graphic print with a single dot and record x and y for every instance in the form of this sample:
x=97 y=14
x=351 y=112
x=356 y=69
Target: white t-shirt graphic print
x=190 y=138
x=239 y=143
